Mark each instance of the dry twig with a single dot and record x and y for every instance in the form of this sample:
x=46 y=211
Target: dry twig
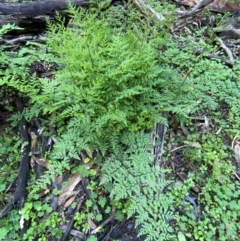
x=106 y=221
x=145 y=8
x=227 y=50
x=197 y=8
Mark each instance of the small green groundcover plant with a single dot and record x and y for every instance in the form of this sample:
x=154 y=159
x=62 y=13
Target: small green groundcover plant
x=217 y=211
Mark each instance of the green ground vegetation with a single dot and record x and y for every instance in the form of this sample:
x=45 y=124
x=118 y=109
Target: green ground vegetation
x=116 y=72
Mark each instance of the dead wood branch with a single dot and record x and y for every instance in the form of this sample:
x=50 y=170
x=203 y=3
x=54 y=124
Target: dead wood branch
x=104 y=223
x=146 y=9
x=214 y=56
x=33 y=14
x=70 y=224
x=197 y=8
x=21 y=192
x=36 y=8
x=227 y=50
x=220 y=6
x=230 y=28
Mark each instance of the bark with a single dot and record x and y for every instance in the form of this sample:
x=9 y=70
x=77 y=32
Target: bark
x=21 y=191
x=220 y=6
x=32 y=15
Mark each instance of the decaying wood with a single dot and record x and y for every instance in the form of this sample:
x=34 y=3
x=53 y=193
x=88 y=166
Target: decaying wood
x=220 y=6
x=146 y=9
x=229 y=28
x=36 y=8
x=70 y=224
x=33 y=14
x=21 y=192
x=227 y=50
x=198 y=7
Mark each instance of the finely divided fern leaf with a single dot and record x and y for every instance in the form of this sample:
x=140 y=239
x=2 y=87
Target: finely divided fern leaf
x=134 y=179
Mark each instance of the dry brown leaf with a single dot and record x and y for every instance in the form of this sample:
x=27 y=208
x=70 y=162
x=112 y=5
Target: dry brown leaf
x=74 y=232
x=47 y=191
x=72 y=183
x=32 y=162
x=193 y=144
x=65 y=196
x=91 y=224
x=237 y=153
x=67 y=190
x=41 y=162
x=182 y=175
x=70 y=200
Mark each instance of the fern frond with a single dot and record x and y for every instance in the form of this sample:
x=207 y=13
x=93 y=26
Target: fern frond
x=135 y=179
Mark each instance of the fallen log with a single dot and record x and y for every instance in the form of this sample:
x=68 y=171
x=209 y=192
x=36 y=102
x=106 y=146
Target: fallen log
x=21 y=191
x=32 y=15
x=219 y=6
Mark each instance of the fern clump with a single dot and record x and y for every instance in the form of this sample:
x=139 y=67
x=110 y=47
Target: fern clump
x=110 y=81
x=107 y=77
x=132 y=178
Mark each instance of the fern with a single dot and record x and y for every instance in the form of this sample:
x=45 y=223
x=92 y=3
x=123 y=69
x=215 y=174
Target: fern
x=109 y=75
x=110 y=81
x=134 y=179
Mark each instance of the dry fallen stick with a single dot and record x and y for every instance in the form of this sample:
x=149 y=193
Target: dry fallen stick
x=227 y=50
x=213 y=56
x=235 y=148
x=198 y=7
x=106 y=221
x=158 y=136
x=234 y=140
x=70 y=224
x=145 y=8
x=19 y=39
x=21 y=185
x=187 y=16
x=235 y=174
